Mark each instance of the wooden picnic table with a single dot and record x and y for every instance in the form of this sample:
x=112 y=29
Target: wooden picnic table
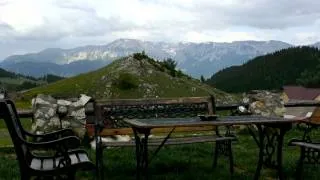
x=270 y=143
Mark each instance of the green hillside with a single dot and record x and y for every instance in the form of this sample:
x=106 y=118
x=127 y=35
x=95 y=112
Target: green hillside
x=298 y=65
x=16 y=82
x=136 y=76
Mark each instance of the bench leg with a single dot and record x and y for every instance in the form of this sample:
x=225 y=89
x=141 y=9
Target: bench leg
x=223 y=148
x=99 y=158
x=72 y=175
x=299 y=169
x=261 y=153
x=142 y=153
x=230 y=157
x=215 y=156
x=25 y=177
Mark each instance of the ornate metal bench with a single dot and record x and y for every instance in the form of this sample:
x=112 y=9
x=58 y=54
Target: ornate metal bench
x=309 y=145
x=63 y=164
x=109 y=115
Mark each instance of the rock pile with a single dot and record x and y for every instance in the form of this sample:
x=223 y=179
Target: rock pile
x=265 y=103
x=52 y=114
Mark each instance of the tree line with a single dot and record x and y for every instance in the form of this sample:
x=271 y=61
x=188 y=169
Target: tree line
x=292 y=66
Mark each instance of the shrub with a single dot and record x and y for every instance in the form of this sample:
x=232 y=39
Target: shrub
x=180 y=73
x=140 y=56
x=126 y=81
x=26 y=85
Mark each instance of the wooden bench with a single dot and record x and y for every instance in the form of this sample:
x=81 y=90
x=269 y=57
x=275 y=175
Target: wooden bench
x=309 y=145
x=109 y=114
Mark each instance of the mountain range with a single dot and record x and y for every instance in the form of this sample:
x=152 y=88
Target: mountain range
x=195 y=59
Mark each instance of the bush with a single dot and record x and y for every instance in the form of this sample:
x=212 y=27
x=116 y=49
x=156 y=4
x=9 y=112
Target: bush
x=140 y=56
x=126 y=81
x=180 y=73
x=26 y=85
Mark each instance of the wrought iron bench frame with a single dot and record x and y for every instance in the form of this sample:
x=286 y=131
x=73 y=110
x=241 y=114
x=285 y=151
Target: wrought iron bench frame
x=106 y=116
x=309 y=147
x=63 y=164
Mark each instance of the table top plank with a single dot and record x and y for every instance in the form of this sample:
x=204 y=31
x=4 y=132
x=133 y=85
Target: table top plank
x=195 y=121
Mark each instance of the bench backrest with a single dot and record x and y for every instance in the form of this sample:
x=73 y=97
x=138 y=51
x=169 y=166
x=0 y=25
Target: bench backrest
x=112 y=111
x=9 y=114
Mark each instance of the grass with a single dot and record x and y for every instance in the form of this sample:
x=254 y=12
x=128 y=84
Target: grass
x=184 y=162
x=4 y=135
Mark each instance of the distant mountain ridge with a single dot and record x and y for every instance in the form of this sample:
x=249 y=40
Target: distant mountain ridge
x=194 y=58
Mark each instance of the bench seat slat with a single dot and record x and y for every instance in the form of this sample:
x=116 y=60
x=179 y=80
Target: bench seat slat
x=171 y=141
x=307 y=145
x=128 y=131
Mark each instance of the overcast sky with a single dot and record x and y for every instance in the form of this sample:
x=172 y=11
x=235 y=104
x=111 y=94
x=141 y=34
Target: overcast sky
x=33 y=25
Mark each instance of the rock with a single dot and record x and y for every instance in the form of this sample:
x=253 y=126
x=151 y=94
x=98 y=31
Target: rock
x=265 y=103
x=62 y=102
x=62 y=110
x=43 y=99
x=48 y=111
x=115 y=138
x=82 y=101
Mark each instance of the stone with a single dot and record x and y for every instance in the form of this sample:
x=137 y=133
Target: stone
x=62 y=102
x=43 y=99
x=62 y=109
x=48 y=111
x=115 y=138
x=265 y=103
x=82 y=101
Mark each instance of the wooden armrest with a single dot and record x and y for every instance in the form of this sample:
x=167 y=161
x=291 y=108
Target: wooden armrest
x=307 y=145
x=52 y=135
x=70 y=142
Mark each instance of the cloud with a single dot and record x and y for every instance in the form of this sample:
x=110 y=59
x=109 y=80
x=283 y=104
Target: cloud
x=70 y=23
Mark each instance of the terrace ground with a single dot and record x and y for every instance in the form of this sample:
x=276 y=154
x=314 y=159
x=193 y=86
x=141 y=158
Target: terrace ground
x=177 y=162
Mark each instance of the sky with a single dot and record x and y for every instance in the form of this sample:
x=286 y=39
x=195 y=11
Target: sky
x=33 y=25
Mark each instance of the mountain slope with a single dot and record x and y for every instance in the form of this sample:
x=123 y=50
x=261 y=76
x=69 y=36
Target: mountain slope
x=13 y=82
x=271 y=71
x=195 y=58
x=136 y=76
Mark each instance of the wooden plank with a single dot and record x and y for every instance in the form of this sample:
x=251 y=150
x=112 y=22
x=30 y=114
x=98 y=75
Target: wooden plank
x=170 y=141
x=302 y=103
x=151 y=101
x=128 y=131
x=307 y=145
x=25 y=113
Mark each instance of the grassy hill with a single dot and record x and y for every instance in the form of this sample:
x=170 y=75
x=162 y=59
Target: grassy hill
x=136 y=76
x=298 y=65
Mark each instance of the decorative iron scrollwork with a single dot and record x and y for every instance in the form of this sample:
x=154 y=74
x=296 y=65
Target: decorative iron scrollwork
x=223 y=147
x=312 y=156
x=114 y=114
x=270 y=147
